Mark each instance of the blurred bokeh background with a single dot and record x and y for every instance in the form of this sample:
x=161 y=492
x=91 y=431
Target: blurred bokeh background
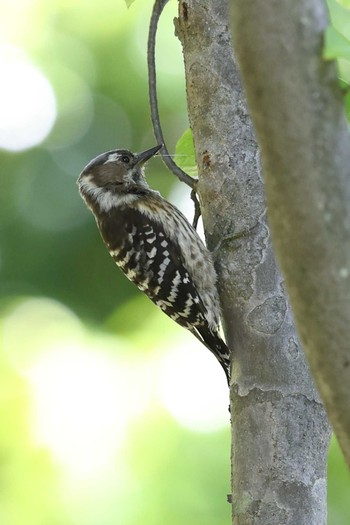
x=103 y=418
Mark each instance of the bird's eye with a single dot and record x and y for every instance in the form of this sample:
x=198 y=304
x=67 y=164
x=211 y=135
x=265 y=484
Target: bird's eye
x=125 y=158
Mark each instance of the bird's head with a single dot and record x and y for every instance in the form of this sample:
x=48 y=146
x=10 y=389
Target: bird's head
x=117 y=171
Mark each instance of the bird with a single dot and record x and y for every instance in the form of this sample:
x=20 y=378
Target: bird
x=154 y=245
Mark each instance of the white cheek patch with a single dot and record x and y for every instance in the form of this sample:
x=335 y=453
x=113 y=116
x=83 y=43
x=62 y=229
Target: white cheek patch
x=105 y=198
x=108 y=200
x=87 y=186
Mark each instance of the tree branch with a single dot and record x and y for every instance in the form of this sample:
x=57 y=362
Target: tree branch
x=279 y=432
x=299 y=116
x=152 y=86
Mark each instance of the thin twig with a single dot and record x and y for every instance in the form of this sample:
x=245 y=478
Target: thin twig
x=168 y=161
x=197 y=208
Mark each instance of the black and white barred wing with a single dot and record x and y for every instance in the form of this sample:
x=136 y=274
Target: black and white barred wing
x=147 y=256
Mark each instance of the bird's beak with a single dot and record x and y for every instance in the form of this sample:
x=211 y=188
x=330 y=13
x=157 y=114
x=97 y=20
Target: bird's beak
x=141 y=158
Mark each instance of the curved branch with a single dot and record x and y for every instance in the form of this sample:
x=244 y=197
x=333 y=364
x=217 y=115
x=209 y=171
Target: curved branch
x=152 y=85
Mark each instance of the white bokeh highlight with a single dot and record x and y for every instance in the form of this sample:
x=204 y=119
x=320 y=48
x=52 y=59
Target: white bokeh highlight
x=86 y=389
x=193 y=387
x=78 y=409
x=27 y=102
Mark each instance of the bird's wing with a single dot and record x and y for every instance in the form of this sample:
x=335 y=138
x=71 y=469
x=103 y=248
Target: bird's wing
x=149 y=258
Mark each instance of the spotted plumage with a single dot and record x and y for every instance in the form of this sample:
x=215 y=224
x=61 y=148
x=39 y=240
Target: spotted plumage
x=154 y=245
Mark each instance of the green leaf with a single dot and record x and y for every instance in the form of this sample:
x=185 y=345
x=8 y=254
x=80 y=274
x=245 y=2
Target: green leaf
x=336 y=45
x=340 y=17
x=344 y=73
x=185 y=156
x=129 y=2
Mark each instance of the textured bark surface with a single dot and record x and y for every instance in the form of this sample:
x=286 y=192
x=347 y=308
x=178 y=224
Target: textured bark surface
x=299 y=116
x=280 y=433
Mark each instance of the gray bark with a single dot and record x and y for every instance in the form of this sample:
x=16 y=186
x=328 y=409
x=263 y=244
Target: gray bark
x=299 y=115
x=280 y=433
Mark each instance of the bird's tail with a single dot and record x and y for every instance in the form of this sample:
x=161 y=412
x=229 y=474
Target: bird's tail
x=217 y=346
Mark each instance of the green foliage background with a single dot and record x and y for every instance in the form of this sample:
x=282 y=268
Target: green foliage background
x=64 y=304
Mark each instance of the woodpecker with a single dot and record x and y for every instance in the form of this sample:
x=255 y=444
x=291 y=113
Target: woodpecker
x=154 y=245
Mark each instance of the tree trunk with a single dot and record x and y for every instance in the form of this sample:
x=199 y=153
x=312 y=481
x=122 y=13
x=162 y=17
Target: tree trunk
x=299 y=114
x=280 y=433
